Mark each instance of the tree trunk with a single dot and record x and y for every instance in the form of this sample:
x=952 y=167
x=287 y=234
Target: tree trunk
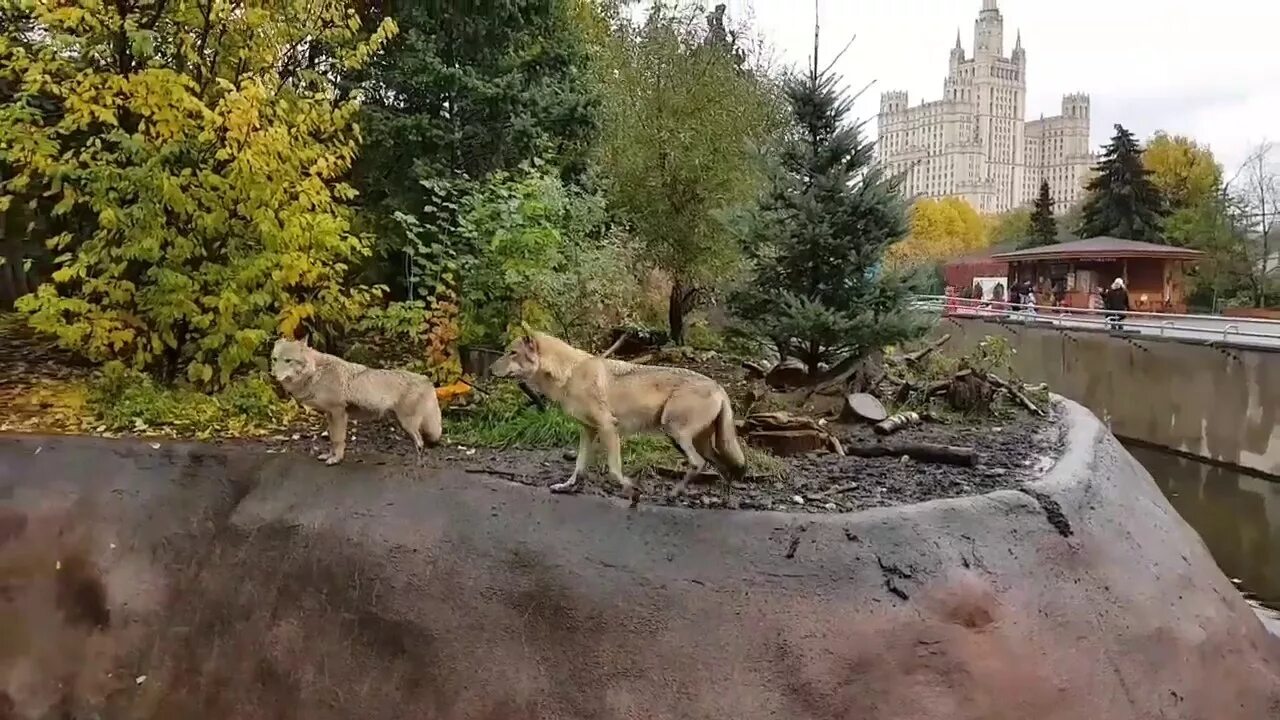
x=675 y=313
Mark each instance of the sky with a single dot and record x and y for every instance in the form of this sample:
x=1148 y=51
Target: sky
x=1210 y=69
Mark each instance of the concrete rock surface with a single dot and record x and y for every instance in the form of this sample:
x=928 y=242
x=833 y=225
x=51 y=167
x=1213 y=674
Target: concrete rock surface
x=198 y=582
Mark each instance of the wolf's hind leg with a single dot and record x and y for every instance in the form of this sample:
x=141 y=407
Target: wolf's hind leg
x=412 y=425
x=685 y=442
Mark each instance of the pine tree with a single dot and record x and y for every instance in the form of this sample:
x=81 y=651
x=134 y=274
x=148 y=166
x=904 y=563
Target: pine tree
x=818 y=293
x=1122 y=200
x=1044 y=228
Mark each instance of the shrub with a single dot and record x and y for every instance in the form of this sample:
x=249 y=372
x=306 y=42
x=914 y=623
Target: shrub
x=126 y=400
x=194 y=180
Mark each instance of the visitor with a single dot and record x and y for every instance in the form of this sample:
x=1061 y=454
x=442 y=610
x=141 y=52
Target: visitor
x=1029 y=298
x=1015 y=298
x=978 y=296
x=1117 y=304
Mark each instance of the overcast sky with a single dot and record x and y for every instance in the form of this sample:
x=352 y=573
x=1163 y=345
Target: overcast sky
x=1207 y=69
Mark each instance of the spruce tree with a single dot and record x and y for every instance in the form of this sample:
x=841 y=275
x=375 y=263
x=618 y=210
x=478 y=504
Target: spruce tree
x=1044 y=228
x=818 y=293
x=1122 y=200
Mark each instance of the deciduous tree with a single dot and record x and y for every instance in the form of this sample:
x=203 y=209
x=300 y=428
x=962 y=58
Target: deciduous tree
x=1185 y=172
x=938 y=230
x=1012 y=226
x=194 y=155
x=682 y=122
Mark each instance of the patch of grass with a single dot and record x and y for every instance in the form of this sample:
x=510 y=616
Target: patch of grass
x=123 y=400
x=505 y=419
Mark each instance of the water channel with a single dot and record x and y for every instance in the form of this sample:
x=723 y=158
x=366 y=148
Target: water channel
x=1237 y=515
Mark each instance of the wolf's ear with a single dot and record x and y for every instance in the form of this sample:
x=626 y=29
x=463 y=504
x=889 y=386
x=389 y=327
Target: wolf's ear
x=524 y=328
x=528 y=343
x=305 y=340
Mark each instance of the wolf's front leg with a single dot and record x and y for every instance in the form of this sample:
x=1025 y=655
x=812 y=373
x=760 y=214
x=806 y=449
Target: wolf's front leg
x=586 y=441
x=337 y=437
x=613 y=446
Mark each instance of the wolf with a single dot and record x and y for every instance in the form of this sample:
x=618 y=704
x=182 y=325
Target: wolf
x=611 y=397
x=339 y=388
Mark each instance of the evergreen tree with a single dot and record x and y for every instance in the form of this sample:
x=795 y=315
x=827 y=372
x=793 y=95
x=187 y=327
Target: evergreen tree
x=1122 y=200
x=819 y=294
x=467 y=89
x=1044 y=228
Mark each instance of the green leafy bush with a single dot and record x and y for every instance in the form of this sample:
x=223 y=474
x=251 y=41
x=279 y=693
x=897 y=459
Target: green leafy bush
x=193 y=182
x=126 y=400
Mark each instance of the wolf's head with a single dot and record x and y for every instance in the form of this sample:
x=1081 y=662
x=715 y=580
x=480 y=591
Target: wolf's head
x=520 y=362
x=292 y=360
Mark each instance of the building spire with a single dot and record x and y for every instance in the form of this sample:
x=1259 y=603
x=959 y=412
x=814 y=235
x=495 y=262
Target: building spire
x=958 y=45
x=989 y=5
x=1018 y=45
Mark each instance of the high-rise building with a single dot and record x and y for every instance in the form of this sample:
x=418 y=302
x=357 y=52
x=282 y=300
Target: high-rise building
x=975 y=142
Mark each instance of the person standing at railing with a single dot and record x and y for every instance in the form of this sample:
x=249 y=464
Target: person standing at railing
x=1029 y=298
x=1096 y=299
x=1117 y=304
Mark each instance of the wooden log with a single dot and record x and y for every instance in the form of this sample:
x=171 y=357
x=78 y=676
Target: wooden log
x=898 y=422
x=924 y=452
x=787 y=374
x=534 y=397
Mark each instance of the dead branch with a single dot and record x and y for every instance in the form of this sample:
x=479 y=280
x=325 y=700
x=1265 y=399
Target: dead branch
x=616 y=344
x=1016 y=394
x=915 y=357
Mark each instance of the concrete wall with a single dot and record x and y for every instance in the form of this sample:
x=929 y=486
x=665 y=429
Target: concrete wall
x=1218 y=403
x=188 y=581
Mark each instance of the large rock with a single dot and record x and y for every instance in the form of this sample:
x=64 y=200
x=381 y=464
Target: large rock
x=203 y=582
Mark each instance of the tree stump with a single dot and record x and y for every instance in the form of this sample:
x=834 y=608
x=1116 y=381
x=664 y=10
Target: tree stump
x=787 y=374
x=970 y=392
x=790 y=442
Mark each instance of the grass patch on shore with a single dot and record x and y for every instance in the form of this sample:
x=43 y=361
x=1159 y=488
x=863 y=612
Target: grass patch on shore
x=506 y=419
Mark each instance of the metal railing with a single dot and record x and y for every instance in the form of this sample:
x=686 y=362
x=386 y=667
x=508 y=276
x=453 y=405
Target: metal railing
x=1250 y=331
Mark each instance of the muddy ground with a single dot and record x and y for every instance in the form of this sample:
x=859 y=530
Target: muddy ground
x=1012 y=447
x=1010 y=451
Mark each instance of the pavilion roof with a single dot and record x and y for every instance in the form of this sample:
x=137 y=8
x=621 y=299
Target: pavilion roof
x=1098 y=248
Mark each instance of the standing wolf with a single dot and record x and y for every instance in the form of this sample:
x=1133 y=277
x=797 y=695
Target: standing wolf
x=338 y=388
x=611 y=397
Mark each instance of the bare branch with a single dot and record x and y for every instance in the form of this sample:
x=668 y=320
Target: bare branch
x=840 y=54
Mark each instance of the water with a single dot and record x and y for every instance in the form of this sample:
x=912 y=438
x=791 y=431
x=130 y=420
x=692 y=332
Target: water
x=1237 y=515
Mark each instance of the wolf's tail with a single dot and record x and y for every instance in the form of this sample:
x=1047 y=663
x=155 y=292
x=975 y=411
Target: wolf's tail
x=726 y=441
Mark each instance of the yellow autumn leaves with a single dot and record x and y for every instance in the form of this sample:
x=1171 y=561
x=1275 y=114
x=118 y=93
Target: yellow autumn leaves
x=188 y=181
x=939 y=230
